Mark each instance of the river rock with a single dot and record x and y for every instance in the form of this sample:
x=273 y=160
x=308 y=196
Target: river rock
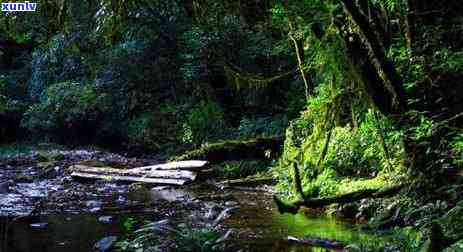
x=211 y=214
x=49 y=173
x=93 y=203
x=24 y=179
x=347 y=211
x=105 y=219
x=121 y=200
x=4 y=187
x=42 y=225
x=94 y=209
x=105 y=244
x=231 y=203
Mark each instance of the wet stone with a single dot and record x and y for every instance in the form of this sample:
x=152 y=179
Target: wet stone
x=4 y=187
x=105 y=244
x=39 y=226
x=121 y=200
x=106 y=219
x=231 y=203
x=94 y=209
x=93 y=204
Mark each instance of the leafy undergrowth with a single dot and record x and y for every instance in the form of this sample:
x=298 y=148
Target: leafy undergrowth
x=240 y=169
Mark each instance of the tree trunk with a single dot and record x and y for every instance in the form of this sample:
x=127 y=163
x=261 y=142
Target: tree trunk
x=410 y=22
x=298 y=43
x=376 y=54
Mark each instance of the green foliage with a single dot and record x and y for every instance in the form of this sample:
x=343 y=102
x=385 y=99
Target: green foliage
x=425 y=129
x=457 y=149
x=458 y=246
x=192 y=240
x=448 y=61
x=203 y=123
x=129 y=224
x=153 y=233
x=63 y=106
x=153 y=130
x=403 y=239
x=262 y=126
x=8 y=105
x=324 y=185
x=240 y=169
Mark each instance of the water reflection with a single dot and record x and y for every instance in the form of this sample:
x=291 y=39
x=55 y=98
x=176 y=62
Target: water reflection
x=64 y=233
x=262 y=228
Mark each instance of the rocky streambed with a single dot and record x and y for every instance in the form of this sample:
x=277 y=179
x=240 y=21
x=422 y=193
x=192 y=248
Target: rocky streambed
x=43 y=209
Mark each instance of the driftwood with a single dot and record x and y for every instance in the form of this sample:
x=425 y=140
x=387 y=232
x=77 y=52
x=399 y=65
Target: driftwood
x=189 y=165
x=174 y=173
x=130 y=178
x=293 y=207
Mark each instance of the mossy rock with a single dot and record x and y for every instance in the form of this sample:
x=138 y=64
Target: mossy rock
x=41 y=157
x=46 y=157
x=259 y=148
x=48 y=164
x=58 y=157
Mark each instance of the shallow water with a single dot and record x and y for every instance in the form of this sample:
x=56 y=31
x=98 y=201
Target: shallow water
x=262 y=228
x=257 y=225
x=65 y=233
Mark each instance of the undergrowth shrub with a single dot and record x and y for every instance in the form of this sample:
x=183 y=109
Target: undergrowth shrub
x=63 y=106
x=204 y=122
x=262 y=126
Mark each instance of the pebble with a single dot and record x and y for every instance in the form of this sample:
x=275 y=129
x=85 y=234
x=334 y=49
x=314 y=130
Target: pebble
x=94 y=209
x=105 y=244
x=42 y=225
x=105 y=219
x=93 y=204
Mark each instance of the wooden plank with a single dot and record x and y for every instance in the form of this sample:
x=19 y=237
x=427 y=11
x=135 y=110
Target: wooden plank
x=165 y=181
x=192 y=165
x=171 y=174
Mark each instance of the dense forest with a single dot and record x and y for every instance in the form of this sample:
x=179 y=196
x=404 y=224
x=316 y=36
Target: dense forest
x=348 y=108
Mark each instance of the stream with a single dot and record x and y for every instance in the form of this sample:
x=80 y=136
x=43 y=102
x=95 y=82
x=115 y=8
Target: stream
x=58 y=214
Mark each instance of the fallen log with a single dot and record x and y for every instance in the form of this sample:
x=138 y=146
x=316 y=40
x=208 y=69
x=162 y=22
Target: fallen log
x=249 y=181
x=137 y=172
x=293 y=207
x=318 y=242
x=167 y=181
x=189 y=165
x=236 y=150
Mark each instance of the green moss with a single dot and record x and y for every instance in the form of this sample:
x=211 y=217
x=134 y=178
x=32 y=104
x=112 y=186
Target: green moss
x=240 y=169
x=259 y=148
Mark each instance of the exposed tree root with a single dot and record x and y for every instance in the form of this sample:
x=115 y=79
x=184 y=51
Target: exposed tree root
x=293 y=207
